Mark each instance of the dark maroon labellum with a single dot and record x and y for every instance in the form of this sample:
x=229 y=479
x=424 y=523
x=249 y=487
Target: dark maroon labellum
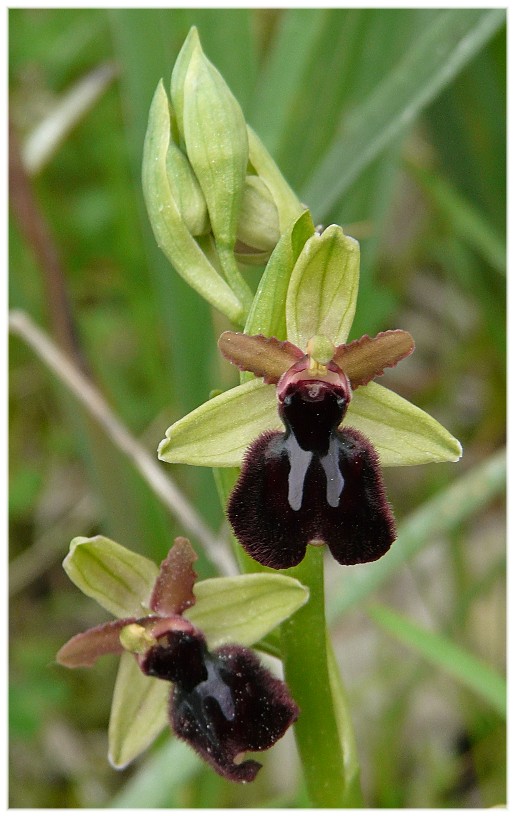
x=313 y=483
x=223 y=703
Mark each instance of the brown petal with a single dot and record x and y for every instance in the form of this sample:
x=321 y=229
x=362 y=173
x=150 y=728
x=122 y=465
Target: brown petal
x=173 y=588
x=367 y=357
x=265 y=357
x=85 y=648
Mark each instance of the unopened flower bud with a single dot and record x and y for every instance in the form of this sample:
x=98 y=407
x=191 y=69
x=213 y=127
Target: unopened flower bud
x=186 y=191
x=214 y=132
x=164 y=205
x=287 y=204
x=258 y=228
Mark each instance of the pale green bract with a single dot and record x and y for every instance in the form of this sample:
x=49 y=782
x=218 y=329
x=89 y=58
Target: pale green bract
x=170 y=230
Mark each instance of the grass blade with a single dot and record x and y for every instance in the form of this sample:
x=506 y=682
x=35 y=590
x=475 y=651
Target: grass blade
x=434 y=59
x=447 y=656
x=451 y=507
x=469 y=223
x=157 y=782
x=283 y=73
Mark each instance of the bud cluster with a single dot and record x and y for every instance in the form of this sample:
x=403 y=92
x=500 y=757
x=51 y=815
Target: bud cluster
x=214 y=196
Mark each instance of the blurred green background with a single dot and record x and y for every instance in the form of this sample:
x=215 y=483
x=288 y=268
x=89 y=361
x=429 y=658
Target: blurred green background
x=391 y=123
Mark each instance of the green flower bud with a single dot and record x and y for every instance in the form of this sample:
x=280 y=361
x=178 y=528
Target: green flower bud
x=178 y=76
x=170 y=229
x=258 y=228
x=214 y=132
x=186 y=191
x=286 y=202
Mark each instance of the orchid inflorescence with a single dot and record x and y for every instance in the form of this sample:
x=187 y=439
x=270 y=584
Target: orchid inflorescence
x=308 y=427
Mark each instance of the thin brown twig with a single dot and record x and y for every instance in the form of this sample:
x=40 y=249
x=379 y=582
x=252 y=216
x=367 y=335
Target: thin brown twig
x=68 y=373
x=38 y=237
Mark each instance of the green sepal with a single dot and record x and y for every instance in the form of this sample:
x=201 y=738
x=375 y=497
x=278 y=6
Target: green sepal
x=120 y=580
x=170 y=230
x=322 y=292
x=217 y=433
x=401 y=433
x=138 y=712
x=244 y=608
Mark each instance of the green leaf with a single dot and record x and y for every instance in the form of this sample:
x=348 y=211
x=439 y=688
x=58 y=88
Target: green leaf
x=401 y=432
x=446 y=655
x=170 y=231
x=118 y=579
x=245 y=608
x=468 y=222
x=217 y=433
x=322 y=293
x=283 y=72
x=139 y=712
x=433 y=60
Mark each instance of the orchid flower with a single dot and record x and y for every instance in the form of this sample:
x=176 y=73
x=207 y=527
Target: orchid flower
x=314 y=482
x=171 y=630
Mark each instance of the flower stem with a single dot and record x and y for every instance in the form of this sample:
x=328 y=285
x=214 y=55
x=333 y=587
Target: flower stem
x=234 y=278
x=305 y=654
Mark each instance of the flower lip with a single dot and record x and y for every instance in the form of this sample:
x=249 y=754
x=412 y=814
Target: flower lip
x=238 y=707
x=223 y=703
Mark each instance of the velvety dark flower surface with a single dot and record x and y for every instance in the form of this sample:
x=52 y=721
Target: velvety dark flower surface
x=223 y=703
x=313 y=483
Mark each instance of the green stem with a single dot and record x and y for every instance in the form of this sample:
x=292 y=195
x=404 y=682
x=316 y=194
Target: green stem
x=324 y=731
x=234 y=278
x=305 y=655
